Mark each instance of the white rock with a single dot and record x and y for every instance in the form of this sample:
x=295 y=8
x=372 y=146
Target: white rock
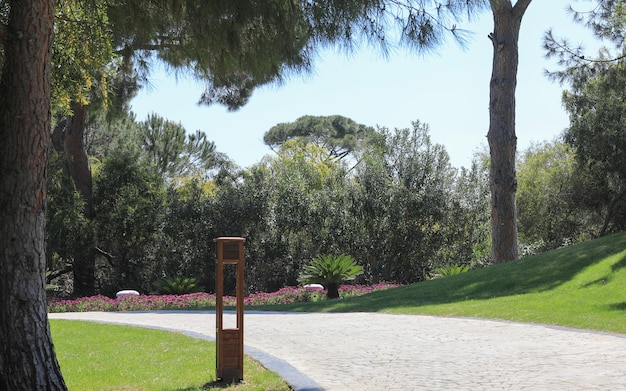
x=126 y=293
x=314 y=286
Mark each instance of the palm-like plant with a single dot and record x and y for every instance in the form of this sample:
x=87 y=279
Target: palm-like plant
x=178 y=286
x=331 y=271
x=451 y=270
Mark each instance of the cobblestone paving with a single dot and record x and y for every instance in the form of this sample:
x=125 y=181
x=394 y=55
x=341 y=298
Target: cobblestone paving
x=366 y=351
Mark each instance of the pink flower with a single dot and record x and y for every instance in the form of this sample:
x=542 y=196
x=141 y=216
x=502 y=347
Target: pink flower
x=201 y=300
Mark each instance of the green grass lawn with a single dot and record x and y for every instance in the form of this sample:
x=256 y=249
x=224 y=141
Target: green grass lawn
x=581 y=286
x=95 y=356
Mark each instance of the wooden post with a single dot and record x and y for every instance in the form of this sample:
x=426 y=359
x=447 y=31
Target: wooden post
x=229 y=341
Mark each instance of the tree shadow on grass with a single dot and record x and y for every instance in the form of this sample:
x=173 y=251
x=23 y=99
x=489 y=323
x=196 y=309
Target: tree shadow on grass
x=600 y=281
x=619 y=265
x=618 y=306
x=213 y=385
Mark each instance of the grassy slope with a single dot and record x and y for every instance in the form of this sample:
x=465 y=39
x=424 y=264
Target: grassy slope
x=582 y=286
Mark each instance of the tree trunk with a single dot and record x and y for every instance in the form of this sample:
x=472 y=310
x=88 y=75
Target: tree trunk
x=27 y=358
x=68 y=137
x=332 y=291
x=77 y=159
x=502 y=139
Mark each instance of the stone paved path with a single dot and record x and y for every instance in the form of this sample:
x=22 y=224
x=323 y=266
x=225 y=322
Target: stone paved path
x=371 y=351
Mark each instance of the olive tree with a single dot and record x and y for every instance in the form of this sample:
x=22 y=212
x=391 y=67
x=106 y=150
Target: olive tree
x=550 y=197
x=400 y=201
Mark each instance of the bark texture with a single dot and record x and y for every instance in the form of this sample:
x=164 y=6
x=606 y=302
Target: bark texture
x=27 y=358
x=502 y=139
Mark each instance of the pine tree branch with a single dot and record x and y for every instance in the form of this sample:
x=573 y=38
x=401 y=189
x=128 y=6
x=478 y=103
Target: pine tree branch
x=520 y=7
x=58 y=273
x=562 y=49
x=109 y=257
x=160 y=44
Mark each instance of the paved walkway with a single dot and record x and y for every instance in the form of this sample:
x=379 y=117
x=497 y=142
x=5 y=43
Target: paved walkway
x=365 y=351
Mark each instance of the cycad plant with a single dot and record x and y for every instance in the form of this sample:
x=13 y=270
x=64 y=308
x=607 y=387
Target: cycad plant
x=178 y=286
x=451 y=270
x=331 y=271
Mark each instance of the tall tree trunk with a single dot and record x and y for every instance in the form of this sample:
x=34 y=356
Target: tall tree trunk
x=78 y=161
x=68 y=137
x=502 y=139
x=27 y=358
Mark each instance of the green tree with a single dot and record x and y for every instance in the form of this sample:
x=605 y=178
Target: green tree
x=186 y=247
x=82 y=56
x=234 y=47
x=289 y=207
x=130 y=200
x=83 y=68
x=595 y=112
x=401 y=196
x=299 y=210
x=243 y=208
x=341 y=136
x=551 y=189
x=66 y=224
x=466 y=238
x=598 y=137
x=76 y=154
x=174 y=152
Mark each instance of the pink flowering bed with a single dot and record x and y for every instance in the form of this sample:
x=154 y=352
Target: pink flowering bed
x=285 y=295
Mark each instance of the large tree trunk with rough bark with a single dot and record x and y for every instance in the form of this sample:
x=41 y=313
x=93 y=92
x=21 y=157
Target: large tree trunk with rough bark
x=27 y=358
x=502 y=139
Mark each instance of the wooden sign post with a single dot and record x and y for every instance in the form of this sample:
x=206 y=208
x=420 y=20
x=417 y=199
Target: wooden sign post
x=229 y=340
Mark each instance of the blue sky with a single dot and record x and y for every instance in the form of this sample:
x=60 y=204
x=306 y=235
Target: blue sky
x=448 y=90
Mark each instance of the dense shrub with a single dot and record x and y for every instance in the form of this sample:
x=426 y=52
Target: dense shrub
x=396 y=205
